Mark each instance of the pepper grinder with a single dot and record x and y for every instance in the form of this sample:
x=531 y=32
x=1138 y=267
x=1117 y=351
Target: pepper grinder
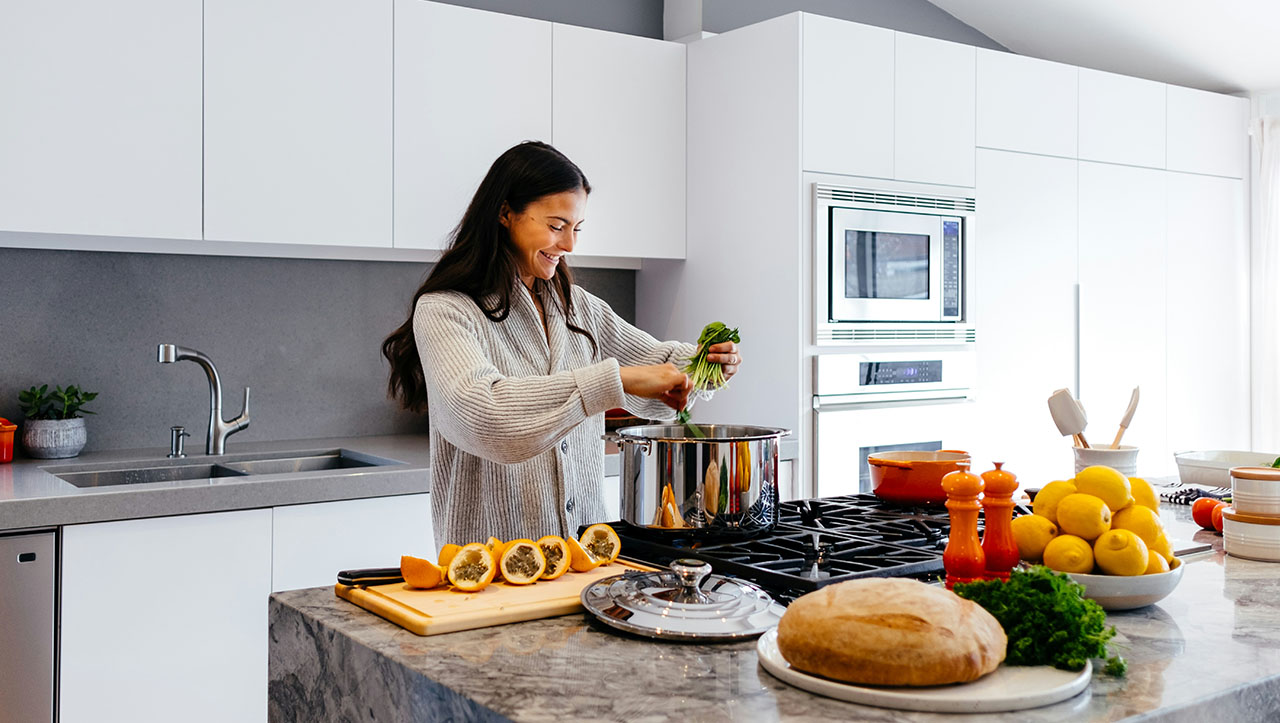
x=998 y=544
x=963 y=558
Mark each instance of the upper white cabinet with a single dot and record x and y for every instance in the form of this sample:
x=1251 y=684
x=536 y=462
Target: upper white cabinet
x=1207 y=133
x=618 y=111
x=1122 y=119
x=1022 y=277
x=468 y=85
x=1122 y=306
x=1026 y=104
x=933 y=111
x=1207 y=307
x=166 y=618
x=307 y=552
x=100 y=127
x=847 y=92
x=298 y=121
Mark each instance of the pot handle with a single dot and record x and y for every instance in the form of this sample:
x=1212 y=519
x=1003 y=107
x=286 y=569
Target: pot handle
x=619 y=440
x=954 y=451
x=888 y=463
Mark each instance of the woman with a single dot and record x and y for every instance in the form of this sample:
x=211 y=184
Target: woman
x=516 y=366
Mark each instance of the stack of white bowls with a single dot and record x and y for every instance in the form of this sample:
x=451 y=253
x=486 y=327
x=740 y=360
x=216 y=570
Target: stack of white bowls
x=1251 y=525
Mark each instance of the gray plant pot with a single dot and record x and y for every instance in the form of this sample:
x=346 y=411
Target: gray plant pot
x=53 y=438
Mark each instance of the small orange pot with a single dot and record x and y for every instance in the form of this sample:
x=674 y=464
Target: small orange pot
x=6 y=440
x=914 y=477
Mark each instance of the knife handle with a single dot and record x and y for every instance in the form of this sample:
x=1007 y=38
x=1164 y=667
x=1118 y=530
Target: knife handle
x=370 y=576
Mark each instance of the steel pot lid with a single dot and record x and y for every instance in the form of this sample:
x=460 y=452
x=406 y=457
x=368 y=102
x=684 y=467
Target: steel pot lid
x=683 y=603
x=704 y=433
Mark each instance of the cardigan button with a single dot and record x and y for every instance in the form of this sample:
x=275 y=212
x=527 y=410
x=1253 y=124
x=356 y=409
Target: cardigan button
x=564 y=446
x=568 y=506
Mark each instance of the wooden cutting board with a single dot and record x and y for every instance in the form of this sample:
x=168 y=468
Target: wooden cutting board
x=444 y=610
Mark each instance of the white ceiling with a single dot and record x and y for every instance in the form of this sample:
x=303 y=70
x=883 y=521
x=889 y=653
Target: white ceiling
x=1227 y=46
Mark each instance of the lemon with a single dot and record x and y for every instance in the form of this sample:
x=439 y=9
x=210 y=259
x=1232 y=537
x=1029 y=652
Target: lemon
x=1161 y=545
x=1156 y=564
x=1120 y=552
x=1068 y=553
x=1106 y=483
x=1142 y=521
x=1047 y=499
x=1143 y=494
x=1032 y=533
x=1084 y=516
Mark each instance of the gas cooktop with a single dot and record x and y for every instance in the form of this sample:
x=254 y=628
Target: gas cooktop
x=815 y=543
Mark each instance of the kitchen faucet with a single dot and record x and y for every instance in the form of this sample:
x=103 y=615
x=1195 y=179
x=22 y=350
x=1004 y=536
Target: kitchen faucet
x=219 y=430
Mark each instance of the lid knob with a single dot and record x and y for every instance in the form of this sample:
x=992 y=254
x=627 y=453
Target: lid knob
x=689 y=574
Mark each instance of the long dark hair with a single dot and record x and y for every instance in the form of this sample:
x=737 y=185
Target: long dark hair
x=480 y=261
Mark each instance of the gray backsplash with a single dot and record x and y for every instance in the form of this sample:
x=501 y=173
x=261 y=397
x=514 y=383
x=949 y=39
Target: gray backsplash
x=304 y=334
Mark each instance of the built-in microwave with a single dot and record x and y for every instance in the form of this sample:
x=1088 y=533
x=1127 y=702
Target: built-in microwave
x=893 y=260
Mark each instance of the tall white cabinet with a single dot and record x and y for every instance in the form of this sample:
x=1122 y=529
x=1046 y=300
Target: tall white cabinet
x=933 y=128
x=100 y=117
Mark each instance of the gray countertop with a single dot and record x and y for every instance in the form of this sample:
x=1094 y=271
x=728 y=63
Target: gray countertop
x=31 y=496
x=1209 y=651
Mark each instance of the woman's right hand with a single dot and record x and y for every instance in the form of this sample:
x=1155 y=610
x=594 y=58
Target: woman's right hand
x=663 y=382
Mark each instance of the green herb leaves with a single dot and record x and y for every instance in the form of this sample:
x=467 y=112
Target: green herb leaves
x=39 y=403
x=705 y=375
x=1047 y=619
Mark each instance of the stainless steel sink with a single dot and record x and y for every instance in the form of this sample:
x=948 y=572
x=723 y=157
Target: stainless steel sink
x=239 y=465
x=143 y=475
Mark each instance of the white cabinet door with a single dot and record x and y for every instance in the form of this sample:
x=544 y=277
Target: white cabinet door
x=100 y=126
x=1026 y=104
x=1122 y=119
x=618 y=106
x=1208 y=314
x=847 y=91
x=311 y=543
x=165 y=619
x=1208 y=132
x=468 y=85
x=1022 y=276
x=933 y=110
x=298 y=121
x=1122 y=307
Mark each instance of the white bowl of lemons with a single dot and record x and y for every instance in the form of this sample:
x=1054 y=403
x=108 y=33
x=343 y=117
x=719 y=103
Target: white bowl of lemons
x=1117 y=592
x=1103 y=529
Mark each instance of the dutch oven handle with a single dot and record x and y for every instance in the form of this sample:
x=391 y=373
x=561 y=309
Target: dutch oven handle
x=953 y=451
x=888 y=463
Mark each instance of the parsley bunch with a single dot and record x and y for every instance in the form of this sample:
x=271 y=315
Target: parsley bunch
x=1046 y=618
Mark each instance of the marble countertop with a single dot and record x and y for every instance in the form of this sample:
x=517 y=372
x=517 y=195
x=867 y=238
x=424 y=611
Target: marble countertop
x=1209 y=651
x=32 y=497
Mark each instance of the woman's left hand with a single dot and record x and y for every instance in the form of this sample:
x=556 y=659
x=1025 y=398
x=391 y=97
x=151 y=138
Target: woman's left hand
x=725 y=354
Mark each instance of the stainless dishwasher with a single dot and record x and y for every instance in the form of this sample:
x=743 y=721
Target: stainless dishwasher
x=27 y=604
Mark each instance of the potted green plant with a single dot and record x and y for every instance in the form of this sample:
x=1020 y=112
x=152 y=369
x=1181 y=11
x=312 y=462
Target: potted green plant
x=54 y=428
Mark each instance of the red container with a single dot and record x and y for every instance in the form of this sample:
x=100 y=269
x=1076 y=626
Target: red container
x=7 y=429
x=914 y=478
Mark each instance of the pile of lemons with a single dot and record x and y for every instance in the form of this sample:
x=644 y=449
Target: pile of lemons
x=1101 y=522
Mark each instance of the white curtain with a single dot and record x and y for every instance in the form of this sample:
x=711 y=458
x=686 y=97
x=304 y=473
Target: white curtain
x=1265 y=282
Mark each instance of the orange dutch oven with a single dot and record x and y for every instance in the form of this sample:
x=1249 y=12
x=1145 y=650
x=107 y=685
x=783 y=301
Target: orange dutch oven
x=914 y=477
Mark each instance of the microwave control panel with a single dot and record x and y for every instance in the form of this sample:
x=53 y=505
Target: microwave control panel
x=951 y=269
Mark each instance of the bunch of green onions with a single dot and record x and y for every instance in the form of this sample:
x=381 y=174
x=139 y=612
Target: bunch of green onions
x=706 y=376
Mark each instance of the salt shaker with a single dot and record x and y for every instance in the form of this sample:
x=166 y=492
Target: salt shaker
x=998 y=544
x=963 y=558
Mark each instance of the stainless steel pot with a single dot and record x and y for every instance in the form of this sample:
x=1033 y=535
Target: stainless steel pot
x=722 y=482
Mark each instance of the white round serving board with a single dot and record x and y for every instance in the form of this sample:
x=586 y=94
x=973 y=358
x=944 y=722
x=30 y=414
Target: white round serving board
x=1009 y=687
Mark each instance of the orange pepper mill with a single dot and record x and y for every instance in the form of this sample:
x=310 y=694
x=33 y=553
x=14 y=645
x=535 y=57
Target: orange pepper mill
x=998 y=545
x=963 y=558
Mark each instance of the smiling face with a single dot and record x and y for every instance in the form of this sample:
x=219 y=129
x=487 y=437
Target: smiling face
x=544 y=231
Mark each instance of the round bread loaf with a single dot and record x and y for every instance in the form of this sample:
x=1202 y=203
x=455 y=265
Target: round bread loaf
x=882 y=631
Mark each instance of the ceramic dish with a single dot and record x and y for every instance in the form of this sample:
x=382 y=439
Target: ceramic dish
x=1254 y=537
x=1255 y=490
x=1009 y=687
x=1126 y=592
x=1213 y=468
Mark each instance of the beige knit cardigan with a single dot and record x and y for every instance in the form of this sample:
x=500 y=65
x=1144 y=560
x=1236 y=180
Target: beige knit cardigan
x=517 y=414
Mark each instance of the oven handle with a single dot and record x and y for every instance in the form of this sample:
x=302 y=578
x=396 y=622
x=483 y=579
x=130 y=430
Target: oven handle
x=847 y=402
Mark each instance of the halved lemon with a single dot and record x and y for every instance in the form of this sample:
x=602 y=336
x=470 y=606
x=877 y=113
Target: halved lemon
x=446 y=554
x=522 y=562
x=580 y=558
x=602 y=542
x=418 y=572
x=472 y=568
x=556 y=550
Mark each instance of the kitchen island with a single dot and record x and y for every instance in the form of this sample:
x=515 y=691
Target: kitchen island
x=1209 y=651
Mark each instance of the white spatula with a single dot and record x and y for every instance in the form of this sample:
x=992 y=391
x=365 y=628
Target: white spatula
x=1128 y=417
x=1069 y=416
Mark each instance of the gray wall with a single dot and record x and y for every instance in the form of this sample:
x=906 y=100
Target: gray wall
x=304 y=334
x=909 y=16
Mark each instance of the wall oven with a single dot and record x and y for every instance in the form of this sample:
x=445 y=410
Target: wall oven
x=868 y=403
x=889 y=262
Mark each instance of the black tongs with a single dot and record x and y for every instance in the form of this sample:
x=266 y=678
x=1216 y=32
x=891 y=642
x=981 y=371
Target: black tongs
x=370 y=576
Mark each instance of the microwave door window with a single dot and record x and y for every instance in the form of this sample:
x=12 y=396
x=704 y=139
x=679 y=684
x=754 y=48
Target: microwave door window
x=879 y=265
